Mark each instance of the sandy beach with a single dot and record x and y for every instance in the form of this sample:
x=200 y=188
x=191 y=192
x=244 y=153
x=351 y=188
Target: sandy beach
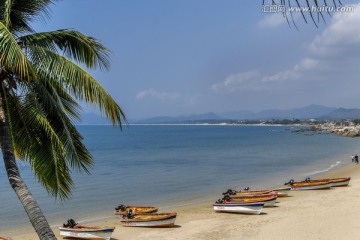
x=317 y=214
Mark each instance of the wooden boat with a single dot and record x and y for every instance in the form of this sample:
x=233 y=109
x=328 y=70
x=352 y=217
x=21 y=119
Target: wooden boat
x=236 y=207
x=282 y=192
x=268 y=199
x=122 y=209
x=149 y=219
x=335 y=182
x=5 y=238
x=247 y=192
x=72 y=230
x=315 y=185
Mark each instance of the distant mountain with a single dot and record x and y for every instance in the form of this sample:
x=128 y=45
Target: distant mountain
x=308 y=112
x=181 y=119
x=342 y=113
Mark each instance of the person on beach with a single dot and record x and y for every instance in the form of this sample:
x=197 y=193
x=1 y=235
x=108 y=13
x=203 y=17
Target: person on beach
x=356 y=158
x=353 y=158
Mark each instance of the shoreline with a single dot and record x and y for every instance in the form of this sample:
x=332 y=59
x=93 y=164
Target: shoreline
x=197 y=220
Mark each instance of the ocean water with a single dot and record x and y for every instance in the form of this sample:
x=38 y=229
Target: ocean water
x=174 y=165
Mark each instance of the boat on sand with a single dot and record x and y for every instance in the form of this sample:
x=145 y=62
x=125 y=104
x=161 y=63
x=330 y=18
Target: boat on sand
x=310 y=185
x=72 y=230
x=223 y=205
x=268 y=199
x=122 y=209
x=335 y=182
x=247 y=192
x=148 y=219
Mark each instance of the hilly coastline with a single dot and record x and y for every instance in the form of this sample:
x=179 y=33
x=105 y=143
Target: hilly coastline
x=315 y=112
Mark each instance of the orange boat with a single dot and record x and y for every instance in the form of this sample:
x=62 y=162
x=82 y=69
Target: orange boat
x=268 y=199
x=149 y=219
x=310 y=185
x=122 y=209
x=335 y=182
x=248 y=192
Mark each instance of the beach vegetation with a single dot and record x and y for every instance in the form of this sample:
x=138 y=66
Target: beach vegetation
x=43 y=80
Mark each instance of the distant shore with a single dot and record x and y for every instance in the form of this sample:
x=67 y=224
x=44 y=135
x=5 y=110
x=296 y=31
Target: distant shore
x=322 y=214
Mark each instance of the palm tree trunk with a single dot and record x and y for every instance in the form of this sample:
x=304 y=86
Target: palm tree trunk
x=29 y=203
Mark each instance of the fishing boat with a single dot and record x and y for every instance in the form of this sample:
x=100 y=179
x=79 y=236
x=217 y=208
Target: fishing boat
x=335 y=182
x=310 y=185
x=269 y=200
x=282 y=192
x=148 y=219
x=236 y=207
x=72 y=230
x=246 y=191
x=122 y=209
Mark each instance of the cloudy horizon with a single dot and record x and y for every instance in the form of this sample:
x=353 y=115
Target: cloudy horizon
x=186 y=57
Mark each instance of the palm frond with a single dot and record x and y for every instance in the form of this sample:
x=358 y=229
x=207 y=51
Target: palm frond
x=12 y=58
x=45 y=136
x=20 y=13
x=76 y=81
x=73 y=44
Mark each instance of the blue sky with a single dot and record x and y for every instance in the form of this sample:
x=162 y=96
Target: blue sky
x=172 y=57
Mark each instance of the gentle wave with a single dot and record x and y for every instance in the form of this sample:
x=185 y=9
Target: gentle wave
x=332 y=167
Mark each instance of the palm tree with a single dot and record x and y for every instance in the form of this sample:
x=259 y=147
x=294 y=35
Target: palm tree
x=41 y=81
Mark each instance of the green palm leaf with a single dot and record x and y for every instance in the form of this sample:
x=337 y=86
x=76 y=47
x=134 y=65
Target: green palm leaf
x=75 y=80
x=73 y=44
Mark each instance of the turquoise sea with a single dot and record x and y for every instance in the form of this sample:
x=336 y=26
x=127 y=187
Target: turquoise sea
x=173 y=165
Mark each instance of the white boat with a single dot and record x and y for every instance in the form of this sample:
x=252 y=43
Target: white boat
x=234 y=207
x=74 y=230
x=149 y=220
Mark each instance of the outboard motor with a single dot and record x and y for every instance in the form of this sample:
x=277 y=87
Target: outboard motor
x=224 y=199
x=307 y=179
x=291 y=182
x=70 y=223
x=121 y=207
x=246 y=189
x=129 y=213
x=229 y=191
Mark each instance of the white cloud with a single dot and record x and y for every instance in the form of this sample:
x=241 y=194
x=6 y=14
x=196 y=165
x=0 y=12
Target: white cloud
x=255 y=81
x=342 y=35
x=295 y=73
x=151 y=93
x=333 y=57
x=272 y=20
x=236 y=82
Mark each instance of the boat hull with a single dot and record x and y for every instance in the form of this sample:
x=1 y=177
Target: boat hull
x=282 y=192
x=252 y=208
x=150 y=220
x=311 y=187
x=340 y=182
x=158 y=223
x=269 y=201
x=86 y=234
x=136 y=209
